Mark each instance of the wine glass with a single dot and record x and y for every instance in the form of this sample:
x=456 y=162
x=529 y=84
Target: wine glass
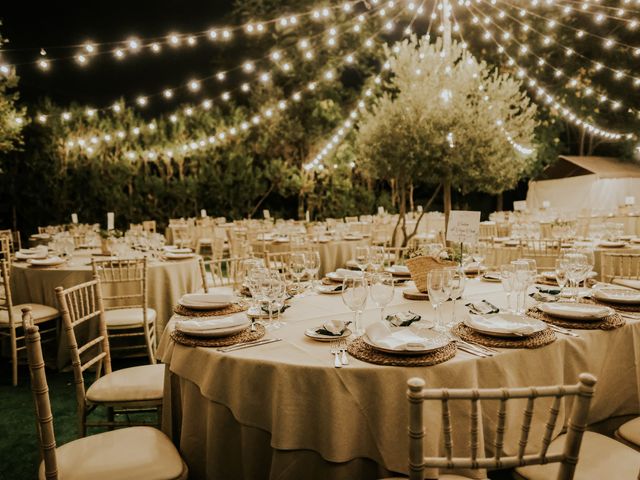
x=297 y=266
x=362 y=258
x=561 y=273
x=458 y=280
x=382 y=290
x=312 y=266
x=521 y=281
x=507 y=277
x=354 y=296
x=439 y=288
x=376 y=258
x=576 y=263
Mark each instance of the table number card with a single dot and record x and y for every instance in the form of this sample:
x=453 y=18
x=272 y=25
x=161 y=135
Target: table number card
x=111 y=217
x=464 y=226
x=74 y=218
x=266 y=214
x=307 y=216
x=419 y=208
x=203 y=213
x=629 y=201
x=380 y=210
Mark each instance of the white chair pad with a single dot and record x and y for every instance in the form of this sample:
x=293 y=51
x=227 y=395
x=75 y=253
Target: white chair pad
x=142 y=383
x=134 y=453
x=600 y=457
x=39 y=313
x=630 y=431
x=625 y=282
x=128 y=317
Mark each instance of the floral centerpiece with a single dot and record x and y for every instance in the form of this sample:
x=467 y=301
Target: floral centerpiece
x=423 y=259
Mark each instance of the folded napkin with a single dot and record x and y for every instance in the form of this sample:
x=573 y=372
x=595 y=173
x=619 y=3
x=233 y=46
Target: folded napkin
x=482 y=308
x=544 y=297
x=207 y=298
x=549 y=291
x=275 y=308
x=333 y=327
x=212 y=323
x=403 y=319
x=400 y=269
x=382 y=336
x=624 y=282
x=346 y=273
x=497 y=323
x=174 y=249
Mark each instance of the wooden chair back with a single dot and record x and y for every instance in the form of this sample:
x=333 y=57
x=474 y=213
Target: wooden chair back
x=203 y=275
x=620 y=265
x=227 y=272
x=10 y=236
x=123 y=282
x=149 y=226
x=181 y=235
x=6 y=302
x=488 y=231
x=81 y=306
x=40 y=390
x=417 y=393
x=350 y=219
x=278 y=261
x=5 y=248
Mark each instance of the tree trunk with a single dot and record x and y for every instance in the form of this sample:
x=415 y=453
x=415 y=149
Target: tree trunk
x=411 y=189
x=582 y=139
x=500 y=202
x=446 y=193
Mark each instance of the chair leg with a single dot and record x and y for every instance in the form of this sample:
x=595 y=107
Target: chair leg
x=14 y=358
x=110 y=417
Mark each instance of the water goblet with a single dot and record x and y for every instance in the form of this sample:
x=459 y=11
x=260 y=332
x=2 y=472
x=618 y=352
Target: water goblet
x=458 y=280
x=312 y=266
x=362 y=257
x=507 y=277
x=354 y=296
x=439 y=288
x=382 y=290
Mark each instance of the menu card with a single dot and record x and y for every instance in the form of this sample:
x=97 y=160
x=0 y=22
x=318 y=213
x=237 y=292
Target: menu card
x=203 y=213
x=111 y=217
x=266 y=214
x=74 y=218
x=464 y=226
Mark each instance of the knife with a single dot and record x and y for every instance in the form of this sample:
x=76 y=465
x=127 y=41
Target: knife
x=255 y=343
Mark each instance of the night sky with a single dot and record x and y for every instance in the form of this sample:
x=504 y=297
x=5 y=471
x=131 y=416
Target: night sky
x=30 y=25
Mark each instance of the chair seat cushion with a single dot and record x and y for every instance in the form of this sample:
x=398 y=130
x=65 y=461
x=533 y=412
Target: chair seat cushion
x=630 y=431
x=600 y=457
x=128 y=317
x=39 y=313
x=130 y=453
x=626 y=282
x=142 y=383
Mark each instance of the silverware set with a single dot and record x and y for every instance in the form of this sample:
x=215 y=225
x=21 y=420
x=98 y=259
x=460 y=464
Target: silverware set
x=338 y=349
x=254 y=343
x=473 y=348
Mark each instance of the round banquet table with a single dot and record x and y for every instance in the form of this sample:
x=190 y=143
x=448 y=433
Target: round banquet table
x=167 y=281
x=282 y=411
x=333 y=253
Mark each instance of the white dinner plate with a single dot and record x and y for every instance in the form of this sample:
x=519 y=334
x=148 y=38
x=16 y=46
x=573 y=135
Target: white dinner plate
x=576 y=311
x=499 y=325
x=205 y=301
x=398 y=271
x=311 y=333
x=174 y=249
x=612 y=244
x=215 y=332
x=353 y=237
x=42 y=254
x=339 y=278
x=551 y=275
x=46 y=262
x=624 y=296
x=178 y=256
x=436 y=340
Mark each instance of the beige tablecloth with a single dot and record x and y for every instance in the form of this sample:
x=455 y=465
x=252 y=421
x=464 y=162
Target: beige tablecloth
x=281 y=411
x=167 y=282
x=333 y=254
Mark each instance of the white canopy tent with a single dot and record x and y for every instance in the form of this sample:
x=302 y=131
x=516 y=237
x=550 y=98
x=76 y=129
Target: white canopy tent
x=586 y=185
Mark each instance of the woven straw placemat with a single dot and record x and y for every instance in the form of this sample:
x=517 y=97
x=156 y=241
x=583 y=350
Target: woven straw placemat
x=244 y=336
x=536 y=340
x=360 y=350
x=607 y=323
x=615 y=306
x=415 y=296
x=187 y=312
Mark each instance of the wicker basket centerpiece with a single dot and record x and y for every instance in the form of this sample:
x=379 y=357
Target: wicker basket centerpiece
x=421 y=262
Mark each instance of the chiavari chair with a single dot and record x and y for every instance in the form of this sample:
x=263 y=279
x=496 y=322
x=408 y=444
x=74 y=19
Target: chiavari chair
x=621 y=269
x=11 y=325
x=226 y=272
x=136 y=452
x=126 y=390
x=149 y=226
x=128 y=316
x=546 y=458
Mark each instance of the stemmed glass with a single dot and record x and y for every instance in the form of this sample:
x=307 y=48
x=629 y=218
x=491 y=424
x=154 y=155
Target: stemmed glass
x=354 y=296
x=458 y=280
x=297 y=267
x=376 y=258
x=522 y=278
x=507 y=277
x=312 y=266
x=576 y=266
x=561 y=273
x=439 y=288
x=382 y=290
x=362 y=258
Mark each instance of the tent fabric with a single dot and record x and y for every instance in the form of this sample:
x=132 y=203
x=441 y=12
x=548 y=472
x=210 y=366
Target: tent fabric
x=593 y=185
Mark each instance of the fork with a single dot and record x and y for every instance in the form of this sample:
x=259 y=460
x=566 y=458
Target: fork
x=335 y=351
